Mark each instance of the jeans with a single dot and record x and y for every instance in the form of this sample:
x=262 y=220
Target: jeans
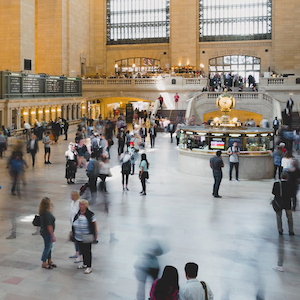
x=236 y=165
x=93 y=186
x=141 y=276
x=47 y=247
x=289 y=216
x=86 y=251
x=218 y=178
x=171 y=134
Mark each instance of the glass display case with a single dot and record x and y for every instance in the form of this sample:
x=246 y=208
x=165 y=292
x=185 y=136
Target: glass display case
x=210 y=138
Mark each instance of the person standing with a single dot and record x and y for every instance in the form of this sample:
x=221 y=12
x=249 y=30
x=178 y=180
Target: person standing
x=66 y=128
x=144 y=165
x=85 y=232
x=2 y=144
x=47 y=231
x=216 y=163
x=133 y=152
x=233 y=153
x=161 y=101
x=177 y=132
x=152 y=133
x=121 y=141
x=71 y=164
x=143 y=133
x=33 y=147
x=171 y=129
x=194 y=289
x=176 y=100
x=277 y=158
x=167 y=286
x=46 y=142
x=282 y=192
x=125 y=169
x=275 y=125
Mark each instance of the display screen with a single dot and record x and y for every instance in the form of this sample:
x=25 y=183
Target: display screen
x=220 y=145
x=15 y=85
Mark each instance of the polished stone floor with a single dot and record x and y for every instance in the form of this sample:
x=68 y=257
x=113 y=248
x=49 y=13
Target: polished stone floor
x=234 y=239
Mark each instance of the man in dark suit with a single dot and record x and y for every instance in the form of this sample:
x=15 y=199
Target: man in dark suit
x=152 y=133
x=171 y=130
x=143 y=133
x=216 y=163
x=32 y=147
x=282 y=192
x=290 y=104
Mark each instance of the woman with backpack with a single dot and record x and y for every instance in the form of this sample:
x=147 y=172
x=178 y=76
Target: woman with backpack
x=125 y=168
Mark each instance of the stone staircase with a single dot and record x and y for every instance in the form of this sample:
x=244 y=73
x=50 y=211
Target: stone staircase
x=171 y=114
x=295 y=120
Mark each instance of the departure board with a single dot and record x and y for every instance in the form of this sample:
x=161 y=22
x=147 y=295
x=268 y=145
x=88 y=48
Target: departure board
x=71 y=86
x=54 y=86
x=33 y=85
x=15 y=85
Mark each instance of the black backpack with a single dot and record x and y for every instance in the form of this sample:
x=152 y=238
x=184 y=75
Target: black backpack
x=126 y=166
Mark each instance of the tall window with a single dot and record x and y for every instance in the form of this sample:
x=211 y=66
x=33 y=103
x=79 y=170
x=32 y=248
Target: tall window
x=138 y=21
x=230 y=20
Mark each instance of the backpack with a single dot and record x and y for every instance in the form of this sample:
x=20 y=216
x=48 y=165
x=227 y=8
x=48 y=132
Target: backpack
x=93 y=168
x=126 y=166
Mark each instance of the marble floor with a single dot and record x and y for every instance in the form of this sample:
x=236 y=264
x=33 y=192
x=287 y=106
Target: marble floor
x=233 y=240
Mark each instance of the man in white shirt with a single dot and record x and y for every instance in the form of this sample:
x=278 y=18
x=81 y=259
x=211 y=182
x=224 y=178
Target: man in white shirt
x=27 y=130
x=193 y=289
x=233 y=153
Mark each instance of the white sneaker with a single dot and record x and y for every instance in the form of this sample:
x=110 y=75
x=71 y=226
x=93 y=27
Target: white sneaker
x=278 y=268
x=82 y=267
x=88 y=271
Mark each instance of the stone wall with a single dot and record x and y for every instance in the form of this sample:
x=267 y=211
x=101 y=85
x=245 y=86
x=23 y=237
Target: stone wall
x=69 y=33
x=10 y=35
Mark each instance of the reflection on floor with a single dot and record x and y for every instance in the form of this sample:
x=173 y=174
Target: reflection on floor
x=234 y=239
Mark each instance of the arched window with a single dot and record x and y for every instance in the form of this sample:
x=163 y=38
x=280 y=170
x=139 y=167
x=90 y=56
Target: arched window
x=137 y=21
x=230 y=20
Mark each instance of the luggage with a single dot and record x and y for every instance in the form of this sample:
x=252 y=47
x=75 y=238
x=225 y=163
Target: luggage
x=83 y=189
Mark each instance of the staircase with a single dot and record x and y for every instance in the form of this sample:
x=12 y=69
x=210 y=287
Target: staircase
x=295 y=120
x=171 y=114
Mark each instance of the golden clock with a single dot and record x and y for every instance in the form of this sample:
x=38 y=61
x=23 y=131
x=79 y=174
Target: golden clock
x=225 y=102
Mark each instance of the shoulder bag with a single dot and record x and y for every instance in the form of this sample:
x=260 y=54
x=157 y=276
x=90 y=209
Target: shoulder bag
x=276 y=206
x=36 y=221
x=205 y=289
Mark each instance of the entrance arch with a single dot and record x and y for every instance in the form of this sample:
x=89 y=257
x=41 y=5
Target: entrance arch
x=236 y=65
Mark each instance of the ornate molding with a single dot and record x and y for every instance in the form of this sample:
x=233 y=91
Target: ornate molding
x=228 y=45
x=137 y=47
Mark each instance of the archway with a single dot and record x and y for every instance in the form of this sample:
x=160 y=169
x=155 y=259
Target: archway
x=242 y=66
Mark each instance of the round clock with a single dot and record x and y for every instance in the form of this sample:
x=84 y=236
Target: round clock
x=225 y=102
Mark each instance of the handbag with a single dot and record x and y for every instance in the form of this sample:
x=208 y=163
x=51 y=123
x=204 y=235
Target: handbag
x=276 y=206
x=36 y=221
x=87 y=238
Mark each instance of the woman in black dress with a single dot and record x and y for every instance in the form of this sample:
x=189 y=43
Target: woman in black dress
x=71 y=165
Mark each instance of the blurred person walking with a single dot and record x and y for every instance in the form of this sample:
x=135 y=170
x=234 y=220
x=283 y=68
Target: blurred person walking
x=283 y=193
x=47 y=231
x=171 y=129
x=166 y=288
x=85 y=232
x=16 y=165
x=93 y=174
x=104 y=172
x=143 y=175
x=294 y=176
x=33 y=147
x=74 y=210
